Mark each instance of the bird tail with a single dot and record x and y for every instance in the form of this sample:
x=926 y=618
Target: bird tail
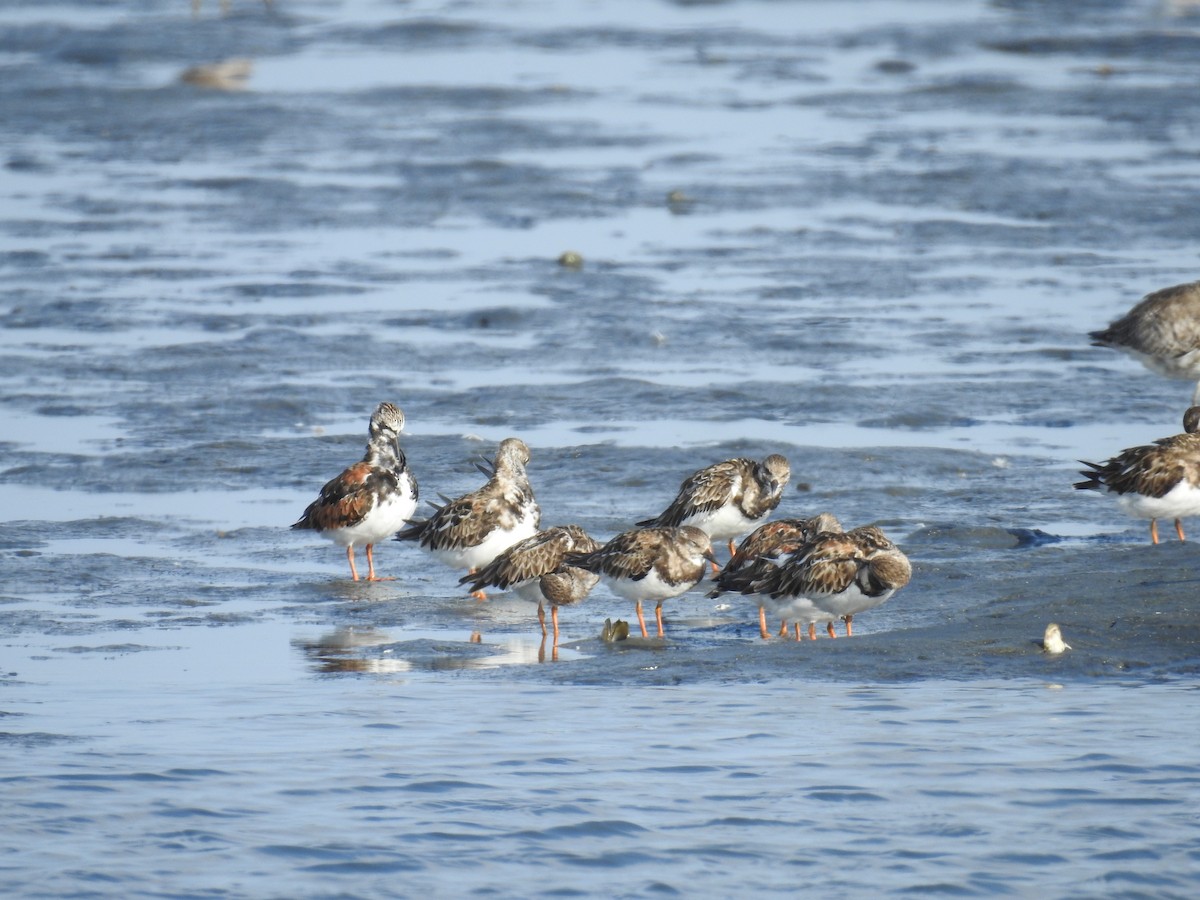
x=1093 y=475
x=413 y=531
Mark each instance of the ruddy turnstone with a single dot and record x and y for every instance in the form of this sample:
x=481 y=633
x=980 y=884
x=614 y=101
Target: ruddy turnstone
x=834 y=576
x=1162 y=332
x=535 y=569
x=471 y=531
x=372 y=499
x=1052 y=640
x=727 y=499
x=1154 y=481
x=771 y=540
x=650 y=564
x=763 y=550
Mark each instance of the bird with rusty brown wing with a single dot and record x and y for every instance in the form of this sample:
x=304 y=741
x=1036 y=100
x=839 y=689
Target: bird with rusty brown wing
x=372 y=499
x=763 y=550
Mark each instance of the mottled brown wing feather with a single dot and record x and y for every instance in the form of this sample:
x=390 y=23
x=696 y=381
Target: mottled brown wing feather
x=771 y=539
x=463 y=523
x=827 y=565
x=743 y=579
x=1151 y=470
x=344 y=500
x=630 y=555
x=705 y=490
x=528 y=559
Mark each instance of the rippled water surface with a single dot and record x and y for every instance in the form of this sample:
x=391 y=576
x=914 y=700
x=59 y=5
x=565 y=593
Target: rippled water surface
x=870 y=236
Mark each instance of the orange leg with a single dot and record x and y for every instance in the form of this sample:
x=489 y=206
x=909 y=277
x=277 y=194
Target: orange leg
x=799 y=633
x=478 y=595
x=1154 y=531
x=762 y=624
x=371 y=565
x=715 y=568
x=1179 y=528
x=350 y=556
x=554 y=619
x=642 y=620
x=783 y=629
x=829 y=628
x=812 y=631
x=658 y=618
x=848 y=620
x=732 y=549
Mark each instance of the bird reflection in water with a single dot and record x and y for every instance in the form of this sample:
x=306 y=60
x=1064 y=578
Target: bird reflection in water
x=373 y=651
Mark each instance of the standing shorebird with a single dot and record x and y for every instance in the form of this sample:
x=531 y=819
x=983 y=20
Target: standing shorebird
x=834 y=576
x=1154 y=481
x=372 y=499
x=772 y=540
x=1162 y=332
x=471 y=531
x=727 y=499
x=763 y=550
x=536 y=570
x=650 y=564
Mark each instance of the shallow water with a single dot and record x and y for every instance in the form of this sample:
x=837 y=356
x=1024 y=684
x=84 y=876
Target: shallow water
x=870 y=236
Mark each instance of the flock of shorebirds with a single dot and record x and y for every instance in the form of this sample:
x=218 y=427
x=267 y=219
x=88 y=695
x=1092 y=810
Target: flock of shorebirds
x=804 y=572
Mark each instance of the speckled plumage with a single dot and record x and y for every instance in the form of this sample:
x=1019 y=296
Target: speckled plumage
x=771 y=541
x=370 y=500
x=470 y=531
x=650 y=564
x=1162 y=331
x=536 y=569
x=764 y=549
x=1154 y=481
x=834 y=576
x=727 y=499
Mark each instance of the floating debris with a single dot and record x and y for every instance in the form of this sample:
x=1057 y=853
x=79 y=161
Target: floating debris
x=226 y=75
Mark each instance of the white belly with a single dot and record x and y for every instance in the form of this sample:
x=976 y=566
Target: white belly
x=379 y=524
x=649 y=588
x=1181 y=501
x=823 y=607
x=722 y=524
x=492 y=546
x=849 y=602
x=794 y=609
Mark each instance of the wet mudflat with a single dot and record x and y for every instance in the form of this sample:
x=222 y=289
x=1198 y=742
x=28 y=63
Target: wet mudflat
x=869 y=236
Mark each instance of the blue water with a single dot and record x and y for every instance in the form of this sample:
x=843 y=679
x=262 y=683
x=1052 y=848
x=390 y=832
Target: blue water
x=869 y=236
x=225 y=784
